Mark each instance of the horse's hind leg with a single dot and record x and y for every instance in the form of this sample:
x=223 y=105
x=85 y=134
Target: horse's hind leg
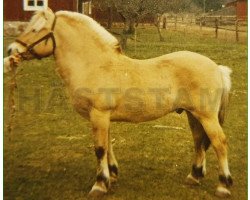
x=100 y=122
x=112 y=163
x=218 y=140
x=201 y=144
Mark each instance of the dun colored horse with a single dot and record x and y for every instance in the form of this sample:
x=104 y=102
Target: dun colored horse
x=105 y=86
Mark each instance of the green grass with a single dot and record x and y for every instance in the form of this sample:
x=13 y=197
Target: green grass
x=50 y=153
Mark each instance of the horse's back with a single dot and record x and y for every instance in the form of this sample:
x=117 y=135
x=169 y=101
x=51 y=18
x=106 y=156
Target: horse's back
x=180 y=69
x=186 y=59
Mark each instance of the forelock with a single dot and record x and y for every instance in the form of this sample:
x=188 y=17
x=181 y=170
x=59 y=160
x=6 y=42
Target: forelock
x=37 y=22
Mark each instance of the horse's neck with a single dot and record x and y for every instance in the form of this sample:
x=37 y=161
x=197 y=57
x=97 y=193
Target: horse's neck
x=76 y=42
x=78 y=51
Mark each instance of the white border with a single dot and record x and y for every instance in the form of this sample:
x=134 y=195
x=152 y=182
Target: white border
x=1 y=105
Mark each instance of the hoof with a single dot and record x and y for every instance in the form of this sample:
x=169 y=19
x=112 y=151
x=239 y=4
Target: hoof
x=96 y=194
x=113 y=179
x=190 y=180
x=222 y=192
x=113 y=171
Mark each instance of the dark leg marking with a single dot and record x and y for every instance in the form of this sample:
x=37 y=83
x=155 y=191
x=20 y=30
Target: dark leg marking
x=113 y=169
x=101 y=178
x=228 y=181
x=197 y=172
x=179 y=110
x=206 y=142
x=99 y=152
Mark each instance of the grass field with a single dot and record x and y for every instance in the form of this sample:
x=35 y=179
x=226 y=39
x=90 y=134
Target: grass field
x=50 y=153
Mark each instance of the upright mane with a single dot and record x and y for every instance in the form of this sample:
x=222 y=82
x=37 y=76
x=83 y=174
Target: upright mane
x=104 y=36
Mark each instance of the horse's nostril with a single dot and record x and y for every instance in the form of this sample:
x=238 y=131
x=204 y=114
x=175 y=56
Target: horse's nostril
x=9 y=52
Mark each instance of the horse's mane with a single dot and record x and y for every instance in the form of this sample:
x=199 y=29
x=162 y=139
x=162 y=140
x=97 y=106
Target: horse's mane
x=102 y=33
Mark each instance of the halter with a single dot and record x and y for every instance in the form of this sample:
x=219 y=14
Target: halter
x=30 y=47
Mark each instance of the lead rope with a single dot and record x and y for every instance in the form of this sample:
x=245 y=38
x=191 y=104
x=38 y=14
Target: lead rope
x=12 y=88
x=14 y=60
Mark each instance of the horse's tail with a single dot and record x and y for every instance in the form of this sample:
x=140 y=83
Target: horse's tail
x=226 y=80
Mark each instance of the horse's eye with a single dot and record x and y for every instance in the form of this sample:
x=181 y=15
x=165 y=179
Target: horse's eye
x=33 y=31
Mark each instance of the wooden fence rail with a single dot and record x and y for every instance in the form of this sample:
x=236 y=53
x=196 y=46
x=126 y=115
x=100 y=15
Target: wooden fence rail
x=228 y=23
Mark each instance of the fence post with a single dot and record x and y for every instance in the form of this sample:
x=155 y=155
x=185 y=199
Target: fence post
x=216 y=27
x=201 y=19
x=135 y=41
x=175 y=23
x=237 y=30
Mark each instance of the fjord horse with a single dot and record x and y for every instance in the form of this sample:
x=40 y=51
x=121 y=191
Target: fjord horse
x=105 y=86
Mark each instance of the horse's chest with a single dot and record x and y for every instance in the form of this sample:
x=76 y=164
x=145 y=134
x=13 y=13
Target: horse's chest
x=82 y=105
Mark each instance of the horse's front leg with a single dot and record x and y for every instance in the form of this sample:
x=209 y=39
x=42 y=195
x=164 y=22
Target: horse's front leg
x=100 y=124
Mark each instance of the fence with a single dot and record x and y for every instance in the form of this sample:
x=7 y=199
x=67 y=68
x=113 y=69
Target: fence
x=204 y=23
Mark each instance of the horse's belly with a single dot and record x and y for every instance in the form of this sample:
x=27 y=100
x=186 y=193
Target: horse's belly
x=139 y=112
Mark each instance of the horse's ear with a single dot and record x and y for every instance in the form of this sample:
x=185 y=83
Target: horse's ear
x=48 y=14
x=49 y=9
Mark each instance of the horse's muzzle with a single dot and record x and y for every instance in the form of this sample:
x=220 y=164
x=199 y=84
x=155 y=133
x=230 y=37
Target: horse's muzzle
x=15 y=48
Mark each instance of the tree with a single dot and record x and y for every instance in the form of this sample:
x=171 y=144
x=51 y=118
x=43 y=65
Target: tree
x=132 y=11
x=106 y=5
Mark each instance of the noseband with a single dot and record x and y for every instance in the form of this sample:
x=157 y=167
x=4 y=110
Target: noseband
x=30 y=47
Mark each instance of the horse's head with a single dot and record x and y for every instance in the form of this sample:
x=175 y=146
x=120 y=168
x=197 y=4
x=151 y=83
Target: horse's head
x=37 y=41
